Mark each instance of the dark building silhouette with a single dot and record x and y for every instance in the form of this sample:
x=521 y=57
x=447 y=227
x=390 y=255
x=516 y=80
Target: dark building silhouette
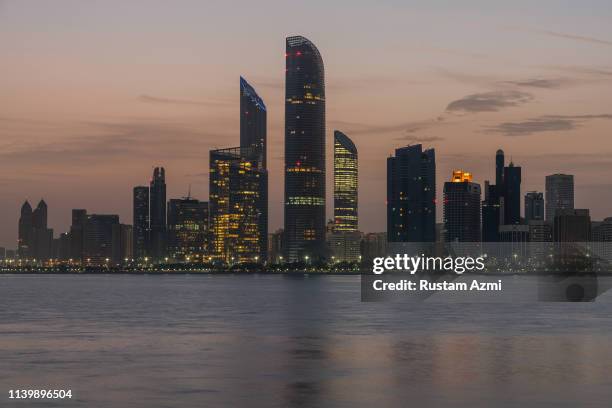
x=492 y=214
x=346 y=184
x=42 y=236
x=253 y=138
x=499 y=167
x=238 y=186
x=512 y=194
x=35 y=239
x=572 y=225
x=304 y=151
x=157 y=211
x=534 y=206
x=77 y=228
x=461 y=208
x=98 y=239
x=141 y=222
x=275 y=246
x=253 y=124
x=411 y=195
x=559 y=194
x=188 y=230
x=122 y=249
x=24 y=246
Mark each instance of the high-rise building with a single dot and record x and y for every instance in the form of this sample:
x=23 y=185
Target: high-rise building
x=411 y=195
x=238 y=186
x=122 y=243
x=492 y=213
x=572 y=225
x=345 y=246
x=35 y=239
x=157 y=211
x=275 y=246
x=98 y=239
x=42 y=237
x=141 y=223
x=462 y=208
x=499 y=168
x=373 y=244
x=188 y=232
x=304 y=151
x=253 y=125
x=253 y=139
x=540 y=231
x=559 y=194
x=77 y=228
x=24 y=247
x=602 y=237
x=512 y=194
x=534 y=206
x=346 y=183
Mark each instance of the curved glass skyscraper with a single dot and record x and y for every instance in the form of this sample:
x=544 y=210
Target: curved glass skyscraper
x=345 y=184
x=252 y=120
x=304 y=151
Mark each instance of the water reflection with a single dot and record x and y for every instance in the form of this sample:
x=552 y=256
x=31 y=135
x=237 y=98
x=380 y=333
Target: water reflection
x=277 y=342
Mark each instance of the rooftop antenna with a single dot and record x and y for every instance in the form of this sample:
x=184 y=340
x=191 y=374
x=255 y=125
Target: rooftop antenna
x=189 y=192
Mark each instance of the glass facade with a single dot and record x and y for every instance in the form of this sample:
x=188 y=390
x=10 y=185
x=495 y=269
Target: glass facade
x=461 y=209
x=141 y=221
x=252 y=120
x=238 y=197
x=188 y=230
x=158 y=214
x=411 y=195
x=304 y=151
x=345 y=184
x=253 y=136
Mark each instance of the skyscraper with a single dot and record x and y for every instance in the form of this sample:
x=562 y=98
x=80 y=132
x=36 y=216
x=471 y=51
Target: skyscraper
x=499 y=168
x=122 y=243
x=237 y=187
x=98 y=239
x=411 y=195
x=77 y=229
x=512 y=194
x=141 y=226
x=253 y=138
x=572 y=225
x=559 y=194
x=158 y=214
x=534 y=206
x=304 y=151
x=345 y=184
x=492 y=214
x=188 y=235
x=25 y=231
x=253 y=125
x=461 y=208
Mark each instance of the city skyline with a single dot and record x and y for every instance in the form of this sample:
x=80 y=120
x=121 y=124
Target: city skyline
x=82 y=133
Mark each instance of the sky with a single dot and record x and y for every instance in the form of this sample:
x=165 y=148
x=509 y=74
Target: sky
x=95 y=94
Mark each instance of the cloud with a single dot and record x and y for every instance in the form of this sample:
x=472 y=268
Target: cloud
x=599 y=73
x=353 y=128
x=101 y=142
x=421 y=139
x=168 y=101
x=541 y=83
x=574 y=37
x=546 y=123
x=531 y=126
x=489 y=101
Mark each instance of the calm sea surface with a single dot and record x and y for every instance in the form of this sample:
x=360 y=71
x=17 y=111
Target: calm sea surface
x=278 y=341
